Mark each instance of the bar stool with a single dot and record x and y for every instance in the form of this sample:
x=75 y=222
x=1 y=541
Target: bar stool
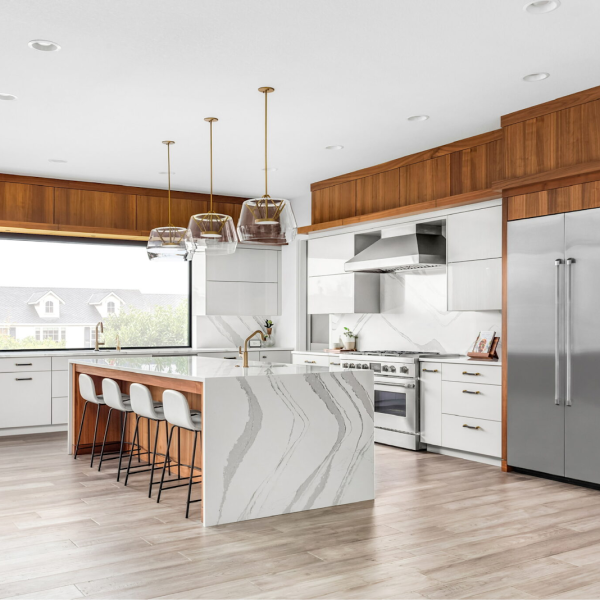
x=145 y=407
x=87 y=389
x=178 y=414
x=115 y=400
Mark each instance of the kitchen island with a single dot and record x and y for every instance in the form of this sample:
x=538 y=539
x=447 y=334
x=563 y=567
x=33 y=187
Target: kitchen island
x=276 y=438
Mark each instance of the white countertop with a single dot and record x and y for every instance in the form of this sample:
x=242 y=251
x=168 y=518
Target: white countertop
x=463 y=360
x=197 y=368
x=128 y=352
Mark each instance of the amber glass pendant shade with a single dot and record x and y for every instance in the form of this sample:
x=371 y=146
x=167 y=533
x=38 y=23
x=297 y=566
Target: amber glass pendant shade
x=169 y=243
x=212 y=232
x=267 y=220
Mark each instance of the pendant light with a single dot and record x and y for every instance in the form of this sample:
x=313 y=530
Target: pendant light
x=267 y=220
x=212 y=232
x=169 y=243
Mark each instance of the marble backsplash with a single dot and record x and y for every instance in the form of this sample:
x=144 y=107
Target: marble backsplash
x=414 y=316
x=228 y=332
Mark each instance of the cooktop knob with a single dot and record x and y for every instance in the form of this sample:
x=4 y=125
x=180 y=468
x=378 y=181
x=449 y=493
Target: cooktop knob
x=358 y=366
x=365 y=366
x=385 y=368
x=352 y=365
x=392 y=369
x=404 y=369
x=345 y=365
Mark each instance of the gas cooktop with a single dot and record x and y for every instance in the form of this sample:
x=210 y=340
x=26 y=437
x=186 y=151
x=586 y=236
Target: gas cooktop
x=409 y=353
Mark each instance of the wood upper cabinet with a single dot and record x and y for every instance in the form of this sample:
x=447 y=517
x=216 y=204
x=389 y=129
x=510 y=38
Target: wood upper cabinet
x=475 y=168
x=378 y=192
x=424 y=181
x=103 y=210
x=26 y=203
x=552 y=141
x=335 y=202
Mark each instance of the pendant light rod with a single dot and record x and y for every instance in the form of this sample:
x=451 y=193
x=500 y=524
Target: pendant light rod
x=168 y=144
x=211 y=120
x=266 y=91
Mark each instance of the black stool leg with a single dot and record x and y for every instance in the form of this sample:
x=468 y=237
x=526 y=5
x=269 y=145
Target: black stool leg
x=178 y=453
x=135 y=435
x=104 y=439
x=187 y=507
x=80 y=429
x=124 y=421
x=162 y=477
x=95 y=432
x=153 y=457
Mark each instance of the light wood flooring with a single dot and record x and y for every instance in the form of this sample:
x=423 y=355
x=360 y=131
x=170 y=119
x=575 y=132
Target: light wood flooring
x=441 y=527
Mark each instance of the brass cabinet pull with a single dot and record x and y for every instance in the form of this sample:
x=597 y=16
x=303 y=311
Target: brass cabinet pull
x=336 y=364
x=23 y=364
x=310 y=362
x=430 y=370
x=467 y=373
x=471 y=426
x=469 y=392
x=23 y=378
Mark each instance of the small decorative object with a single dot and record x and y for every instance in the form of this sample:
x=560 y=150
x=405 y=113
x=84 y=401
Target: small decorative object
x=268 y=325
x=350 y=339
x=485 y=346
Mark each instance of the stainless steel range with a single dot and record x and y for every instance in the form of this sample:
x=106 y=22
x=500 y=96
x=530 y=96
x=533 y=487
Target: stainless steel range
x=397 y=407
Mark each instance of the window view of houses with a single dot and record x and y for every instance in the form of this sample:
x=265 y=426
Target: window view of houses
x=144 y=304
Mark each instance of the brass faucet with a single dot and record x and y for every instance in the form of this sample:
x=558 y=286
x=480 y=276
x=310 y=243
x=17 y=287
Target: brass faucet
x=118 y=343
x=244 y=353
x=98 y=343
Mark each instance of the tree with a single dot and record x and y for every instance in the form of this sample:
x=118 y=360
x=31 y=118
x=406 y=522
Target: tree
x=8 y=342
x=162 y=326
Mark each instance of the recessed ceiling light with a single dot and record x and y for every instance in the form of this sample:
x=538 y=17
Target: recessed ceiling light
x=56 y=160
x=166 y=172
x=536 y=77
x=334 y=147
x=539 y=7
x=7 y=97
x=43 y=46
x=270 y=169
x=418 y=118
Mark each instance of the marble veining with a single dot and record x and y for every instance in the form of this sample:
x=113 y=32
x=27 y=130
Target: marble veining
x=414 y=316
x=228 y=331
x=281 y=444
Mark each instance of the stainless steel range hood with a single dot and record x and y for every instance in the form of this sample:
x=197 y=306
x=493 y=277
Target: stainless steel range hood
x=423 y=248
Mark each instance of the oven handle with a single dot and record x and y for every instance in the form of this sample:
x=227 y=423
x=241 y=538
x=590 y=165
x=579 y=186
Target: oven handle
x=409 y=386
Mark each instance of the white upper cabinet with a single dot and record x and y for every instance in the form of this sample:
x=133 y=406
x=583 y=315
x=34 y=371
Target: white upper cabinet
x=475 y=234
x=245 y=283
x=345 y=294
x=475 y=285
x=327 y=255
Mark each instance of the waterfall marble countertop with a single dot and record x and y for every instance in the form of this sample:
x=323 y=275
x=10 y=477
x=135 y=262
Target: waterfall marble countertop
x=197 y=368
x=276 y=438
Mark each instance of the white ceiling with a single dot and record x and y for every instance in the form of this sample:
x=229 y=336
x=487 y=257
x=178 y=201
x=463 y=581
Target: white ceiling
x=134 y=72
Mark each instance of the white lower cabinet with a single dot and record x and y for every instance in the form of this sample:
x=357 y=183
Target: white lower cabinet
x=335 y=363
x=431 y=403
x=26 y=399
x=60 y=410
x=472 y=435
x=461 y=407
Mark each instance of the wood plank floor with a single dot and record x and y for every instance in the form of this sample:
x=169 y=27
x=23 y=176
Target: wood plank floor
x=441 y=527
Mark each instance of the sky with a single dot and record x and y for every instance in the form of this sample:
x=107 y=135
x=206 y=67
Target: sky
x=66 y=264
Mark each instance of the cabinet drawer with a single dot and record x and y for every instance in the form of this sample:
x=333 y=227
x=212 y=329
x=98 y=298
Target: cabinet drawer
x=474 y=373
x=60 y=363
x=280 y=356
x=25 y=399
x=310 y=359
x=475 y=400
x=16 y=365
x=431 y=370
x=60 y=383
x=60 y=411
x=461 y=433
x=335 y=363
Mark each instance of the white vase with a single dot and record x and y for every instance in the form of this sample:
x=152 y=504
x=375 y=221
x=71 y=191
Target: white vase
x=350 y=344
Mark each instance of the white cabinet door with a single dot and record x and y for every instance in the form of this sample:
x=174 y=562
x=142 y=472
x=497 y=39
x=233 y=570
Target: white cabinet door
x=475 y=234
x=345 y=294
x=241 y=298
x=60 y=363
x=60 y=411
x=25 y=364
x=25 y=400
x=60 y=383
x=327 y=255
x=472 y=435
x=475 y=285
x=277 y=356
x=431 y=403
x=254 y=265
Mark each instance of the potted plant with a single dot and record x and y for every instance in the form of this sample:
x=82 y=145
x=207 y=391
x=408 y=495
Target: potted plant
x=268 y=325
x=349 y=339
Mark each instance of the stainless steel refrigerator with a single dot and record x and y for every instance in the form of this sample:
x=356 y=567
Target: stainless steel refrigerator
x=553 y=344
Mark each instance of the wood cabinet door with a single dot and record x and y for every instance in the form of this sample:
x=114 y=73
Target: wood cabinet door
x=25 y=203
x=333 y=203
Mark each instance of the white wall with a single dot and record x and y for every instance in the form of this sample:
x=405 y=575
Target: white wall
x=302 y=207
x=414 y=317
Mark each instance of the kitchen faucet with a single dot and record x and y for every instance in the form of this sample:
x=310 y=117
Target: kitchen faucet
x=244 y=353
x=98 y=343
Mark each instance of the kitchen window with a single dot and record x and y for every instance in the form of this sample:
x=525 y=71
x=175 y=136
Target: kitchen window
x=54 y=291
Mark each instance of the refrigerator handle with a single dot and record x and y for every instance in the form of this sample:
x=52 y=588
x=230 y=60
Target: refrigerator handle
x=568 y=262
x=557 y=264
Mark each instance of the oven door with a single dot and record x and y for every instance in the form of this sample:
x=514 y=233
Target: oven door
x=396 y=404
